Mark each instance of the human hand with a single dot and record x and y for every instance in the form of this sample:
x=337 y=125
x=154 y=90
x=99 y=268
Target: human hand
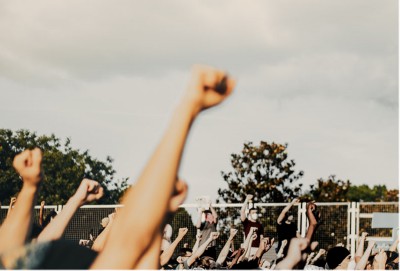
x=249 y=197
x=208 y=87
x=182 y=232
x=28 y=164
x=296 y=200
x=364 y=234
x=232 y=233
x=214 y=235
x=198 y=236
x=88 y=191
x=13 y=200
x=179 y=195
x=380 y=260
x=42 y=203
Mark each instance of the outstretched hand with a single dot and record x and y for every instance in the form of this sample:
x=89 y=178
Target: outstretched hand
x=28 y=164
x=208 y=86
x=88 y=191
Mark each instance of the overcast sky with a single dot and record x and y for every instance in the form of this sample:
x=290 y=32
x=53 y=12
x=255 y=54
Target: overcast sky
x=321 y=76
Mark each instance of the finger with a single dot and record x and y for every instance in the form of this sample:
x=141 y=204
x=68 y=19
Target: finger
x=100 y=193
x=36 y=156
x=19 y=160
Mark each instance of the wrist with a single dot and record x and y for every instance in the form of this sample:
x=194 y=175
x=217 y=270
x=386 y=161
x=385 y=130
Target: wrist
x=74 y=200
x=194 y=105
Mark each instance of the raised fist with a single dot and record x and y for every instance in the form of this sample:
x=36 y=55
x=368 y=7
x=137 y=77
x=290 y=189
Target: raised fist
x=214 y=235
x=13 y=200
x=232 y=233
x=209 y=86
x=88 y=191
x=28 y=164
x=249 y=197
x=42 y=203
x=182 y=232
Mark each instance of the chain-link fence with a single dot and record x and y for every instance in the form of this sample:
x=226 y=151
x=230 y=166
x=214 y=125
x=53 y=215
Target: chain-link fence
x=340 y=223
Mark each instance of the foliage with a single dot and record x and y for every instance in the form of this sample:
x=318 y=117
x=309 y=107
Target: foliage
x=64 y=168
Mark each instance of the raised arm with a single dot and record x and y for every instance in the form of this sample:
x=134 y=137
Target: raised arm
x=98 y=243
x=360 y=247
x=214 y=213
x=17 y=225
x=319 y=254
x=197 y=243
x=125 y=246
x=244 y=206
x=286 y=209
x=247 y=243
x=297 y=245
x=225 y=250
x=364 y=259
x=312 y=221
x=393 y=247
x=11 y=206
x=88 y=191
x=380 y=260
x=202 y=248
x=167 y=254
x=198 y=223
x=41 y=213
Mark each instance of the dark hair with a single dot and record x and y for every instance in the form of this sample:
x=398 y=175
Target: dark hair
x=253 y=208
x=207 y=212
x=182 y=252
x=335 y=256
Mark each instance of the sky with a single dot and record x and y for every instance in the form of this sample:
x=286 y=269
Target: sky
x=321 y=76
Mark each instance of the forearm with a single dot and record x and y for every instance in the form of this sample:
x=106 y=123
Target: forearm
x=197 y=254
x=283 y=212
x=198 y=223
x=224 y=252
x=393 y=247
x=157 y=179
x=196 y=246
x=167 y=254
x=100 y=241
x=364 y=259
x=245 y=246
x=243 y=210
x=17 y=225
x=57 y=226
x=151 y=259
x=214 y=213
x=41 y=216
x=359 y=250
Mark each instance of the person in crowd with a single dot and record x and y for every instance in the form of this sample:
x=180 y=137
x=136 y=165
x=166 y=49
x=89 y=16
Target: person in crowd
x=286 y=228
x=166 y=254
x=251 y=221
x=206 y=223
x=167 y=234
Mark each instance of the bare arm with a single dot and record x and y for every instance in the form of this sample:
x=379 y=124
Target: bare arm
x=243 y=209
x=99 y=242
x=297 y=245
x=11 y=206
x=380 y=260
x=364 y=259
x=246 y=244
x=280 y=252
x=196 y=244
x=123 y=250
x=41 y=213
x=88 y=191
x=286 y=209
x=202 y=248
x=393 y=247
x=225 y=250
x=360 y=247
x=17 y=225
x=198 y=223
x=167 y=254
x=312 y=225
x=214 y=213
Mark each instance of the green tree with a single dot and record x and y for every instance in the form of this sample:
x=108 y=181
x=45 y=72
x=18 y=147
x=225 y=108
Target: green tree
x=64 y=168
x=375 y=194
x=265 y=172
x=329 y=190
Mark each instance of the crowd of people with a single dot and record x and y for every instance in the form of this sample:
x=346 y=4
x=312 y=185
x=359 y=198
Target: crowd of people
x=137 y=237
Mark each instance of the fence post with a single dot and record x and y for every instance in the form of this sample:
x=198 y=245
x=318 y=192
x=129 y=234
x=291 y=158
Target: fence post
x=302 y=210
x=58 y=209
x=353 y=236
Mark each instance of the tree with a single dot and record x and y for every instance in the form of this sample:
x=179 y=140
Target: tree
x=329 y=190
x=263 y=171
x=64 y=168
x=375 y=194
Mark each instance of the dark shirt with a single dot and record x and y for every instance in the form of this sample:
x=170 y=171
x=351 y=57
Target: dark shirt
x=247 y=224
x=286 y=231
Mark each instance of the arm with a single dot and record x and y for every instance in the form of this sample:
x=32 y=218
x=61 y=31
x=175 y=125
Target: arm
x=16 y=227
x=124 y=247
x=214 y=213
x=380 y=260
x=247 y=241
x=393 y=247
x=312 y=221
x=243 y=209
x=12 y=202
x=202 y=248
x=319 y=254
x=98 y=244
x=88 y=191
x=286 y=209
x=224 y=252
x=265 y=245
x=364 y=259
x=41 y=213
x=360 y=247
x=196 y=244
x=297 y=245
x=239 y=253
x=280 y=252
x=167 y=254
x=198 y=223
